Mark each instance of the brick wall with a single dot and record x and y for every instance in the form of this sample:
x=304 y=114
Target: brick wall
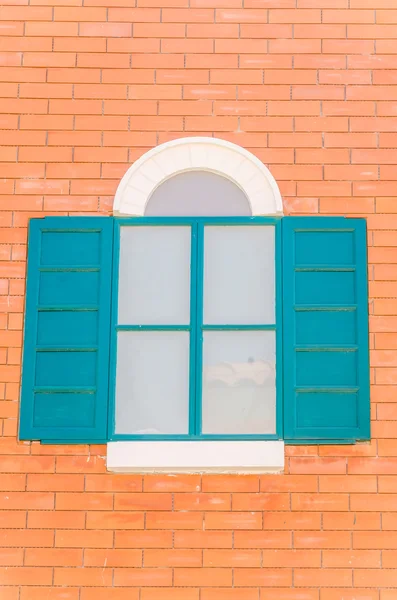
x=309 y=86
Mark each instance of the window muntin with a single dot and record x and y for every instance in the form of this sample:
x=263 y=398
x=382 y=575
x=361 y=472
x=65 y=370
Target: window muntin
x=246 y=346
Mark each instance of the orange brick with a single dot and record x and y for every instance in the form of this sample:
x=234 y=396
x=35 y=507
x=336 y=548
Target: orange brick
x=351 y=558
x=230 y=483
x=294 y=16
x=347 y=205
x=84 y=501
x=84 y=577
x=24 y=538
x=27 y=500
x=351 y=521
x=263 y=577
x=232 y=558
x=318 y=466
x=55 y=483
x=378 y=540
x=80 y=464
x=177 y=520
x=328 y=502
x=323 y=577
x=83 y=539
x=349 y=483
x=112 y=558
x=11 y=557
x=228 y=594
x=143 y=539
x=387 y=594
x=113 y=483
x=174 y=558
x=56 y=520
x=291 y=558
x=292 y=483
x=238 y=520
x=107 y=30
x=341 y=46
x=289 y=594
x=54 y=557
x=291 y=520
x=14 y=483
x=262 y=539
x=388 y=559
x=389 y=521
x=103 y=593
x=114 y=520
x=204 y=577
x=202 y=539
x=378 y=502
x=25 y=576
x=350 y=16
x=376 y=577
x=322 y=539
x=266 y=502
x=142 y=577
x=202 y=502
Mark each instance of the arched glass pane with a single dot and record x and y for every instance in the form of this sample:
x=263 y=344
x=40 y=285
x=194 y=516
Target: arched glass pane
x=198 y=193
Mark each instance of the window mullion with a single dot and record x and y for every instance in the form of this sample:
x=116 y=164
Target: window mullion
x=193 y=330
x=197 y=322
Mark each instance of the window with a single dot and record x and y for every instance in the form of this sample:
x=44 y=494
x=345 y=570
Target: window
x=170 y=327
x=195 y=328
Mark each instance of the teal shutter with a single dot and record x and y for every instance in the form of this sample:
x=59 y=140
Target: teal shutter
x=325 y=329
x=67 y=330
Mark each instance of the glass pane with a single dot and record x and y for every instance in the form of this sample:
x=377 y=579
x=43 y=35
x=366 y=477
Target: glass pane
x=198 y=193
x=239 y=275
x=239 y=383
x=154 y=275
x=152 y=382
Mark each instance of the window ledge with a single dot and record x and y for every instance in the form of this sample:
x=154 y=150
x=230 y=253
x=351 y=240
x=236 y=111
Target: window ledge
x=266 y=456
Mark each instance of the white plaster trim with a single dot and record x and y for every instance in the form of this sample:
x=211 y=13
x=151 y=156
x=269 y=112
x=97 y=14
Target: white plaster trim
x=196 y=457
x=198 y=153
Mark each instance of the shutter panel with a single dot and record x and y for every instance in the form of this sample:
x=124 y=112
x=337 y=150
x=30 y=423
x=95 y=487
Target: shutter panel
x=325 y=329
x=67 y=330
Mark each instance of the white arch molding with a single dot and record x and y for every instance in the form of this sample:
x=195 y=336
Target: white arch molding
x=198 y=153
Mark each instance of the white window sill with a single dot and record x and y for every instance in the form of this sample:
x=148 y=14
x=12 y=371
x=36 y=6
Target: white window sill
x=196 y=457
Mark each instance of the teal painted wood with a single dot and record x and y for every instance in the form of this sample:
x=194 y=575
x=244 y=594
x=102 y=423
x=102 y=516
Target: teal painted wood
x=199 y=329
x=196 y=324
x=279 y=332
x=193 y=373
x=239 y=327
x=325 y=319
x=67 y=327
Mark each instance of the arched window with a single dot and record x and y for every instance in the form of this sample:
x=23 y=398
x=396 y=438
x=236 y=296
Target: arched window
x=196 y=325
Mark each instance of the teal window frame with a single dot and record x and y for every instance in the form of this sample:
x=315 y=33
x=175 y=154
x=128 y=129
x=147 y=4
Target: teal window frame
x=196 y=327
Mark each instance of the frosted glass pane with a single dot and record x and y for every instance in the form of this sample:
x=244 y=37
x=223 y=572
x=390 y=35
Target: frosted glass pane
x=152 y=382
x=198 y=193
x=239 y=385
x=239 y=275
x=154 y=275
